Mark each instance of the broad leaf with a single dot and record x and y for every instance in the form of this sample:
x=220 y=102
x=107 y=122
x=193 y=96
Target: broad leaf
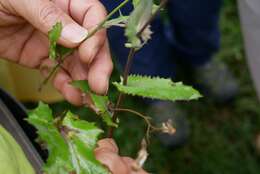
x=137 y=20
x=100 y=102
x=157 y=88
x=70 y=142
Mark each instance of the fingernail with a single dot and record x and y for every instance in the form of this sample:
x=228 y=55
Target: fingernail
x=74 y=33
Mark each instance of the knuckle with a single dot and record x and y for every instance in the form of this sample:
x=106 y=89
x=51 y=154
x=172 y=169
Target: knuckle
x=49 y=14
x=87 y=56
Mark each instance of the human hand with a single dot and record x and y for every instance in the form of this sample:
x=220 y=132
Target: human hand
x=107 y=154
x=24 y=25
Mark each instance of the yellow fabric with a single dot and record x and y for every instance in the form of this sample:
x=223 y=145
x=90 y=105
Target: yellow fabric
x=23 y=83
x=12 y=157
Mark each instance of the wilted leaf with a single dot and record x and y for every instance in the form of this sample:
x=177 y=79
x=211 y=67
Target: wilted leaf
x=137 y=20
x=157 y=88
x=70 y=142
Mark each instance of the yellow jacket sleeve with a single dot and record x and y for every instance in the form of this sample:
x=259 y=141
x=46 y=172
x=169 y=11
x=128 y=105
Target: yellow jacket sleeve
x=23 y=83
x=12 y=157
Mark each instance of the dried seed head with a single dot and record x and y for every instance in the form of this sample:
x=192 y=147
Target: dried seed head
x=168 y=128
x=147 y=34
x=142 y=156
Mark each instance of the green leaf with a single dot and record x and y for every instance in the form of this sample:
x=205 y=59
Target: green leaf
x=82 y=85
x=54 y=36
x=157 y=88
x=63 y=51
x=56 y=50
x=137 y=19
x=70 y=142
x=82 y=137
x=100 y=102
x=135 y=3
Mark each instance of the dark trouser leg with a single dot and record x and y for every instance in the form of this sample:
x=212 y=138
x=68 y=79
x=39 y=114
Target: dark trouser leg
x=195 y=27
x=154 y=59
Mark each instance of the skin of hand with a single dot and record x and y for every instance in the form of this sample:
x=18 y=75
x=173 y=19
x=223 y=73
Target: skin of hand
x=24 y=25
x=107 y=154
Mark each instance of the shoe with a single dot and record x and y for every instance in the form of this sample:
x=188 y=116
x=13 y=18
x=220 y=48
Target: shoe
x=216 y=81
x=162 y=111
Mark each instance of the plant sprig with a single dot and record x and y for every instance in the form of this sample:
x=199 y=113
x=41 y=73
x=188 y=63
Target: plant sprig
x=77 y=138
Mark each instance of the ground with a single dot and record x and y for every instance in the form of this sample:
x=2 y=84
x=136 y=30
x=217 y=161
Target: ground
x=222 y=137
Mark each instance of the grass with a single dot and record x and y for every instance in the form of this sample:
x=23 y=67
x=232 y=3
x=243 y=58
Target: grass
x=222 y=137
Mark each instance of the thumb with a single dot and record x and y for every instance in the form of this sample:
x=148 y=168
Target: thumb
x=44 y=14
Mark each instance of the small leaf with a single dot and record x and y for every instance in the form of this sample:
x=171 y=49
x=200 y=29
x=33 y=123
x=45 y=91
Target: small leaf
x=120 y=22
x=100 y=102
x=54 y=36
x=63 y=51
x=157 y=88
x=56 y=50
x=137 y=20
x=82 y=85
x=70 y=144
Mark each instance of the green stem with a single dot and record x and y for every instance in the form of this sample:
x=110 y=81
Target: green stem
x=96 y=29
x=101 y=24
x=129 y=63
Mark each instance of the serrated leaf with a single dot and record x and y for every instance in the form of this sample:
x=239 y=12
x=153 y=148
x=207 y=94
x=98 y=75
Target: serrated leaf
x=137 y=19
x=157 y=88
x=70 y=143
x=54 y=36
x=100 y=102
x=82 y=137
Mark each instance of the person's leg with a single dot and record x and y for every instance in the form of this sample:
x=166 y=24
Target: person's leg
x=153 y=59
x=196 y=29
x=250 y=19
x=196 y=39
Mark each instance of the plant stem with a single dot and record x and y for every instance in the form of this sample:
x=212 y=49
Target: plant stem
x=150 y=126
x=101 y=24
x=162 y=4
x=129 y=63
x=96 y=29
x=120 y=97
x=53 y=71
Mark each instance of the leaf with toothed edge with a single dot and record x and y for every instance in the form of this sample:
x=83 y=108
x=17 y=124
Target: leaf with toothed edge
x=157 y=88
x=70 y=142
x=100 y=102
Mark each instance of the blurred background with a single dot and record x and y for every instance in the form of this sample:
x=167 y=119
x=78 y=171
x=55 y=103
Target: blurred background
x=224 y=138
